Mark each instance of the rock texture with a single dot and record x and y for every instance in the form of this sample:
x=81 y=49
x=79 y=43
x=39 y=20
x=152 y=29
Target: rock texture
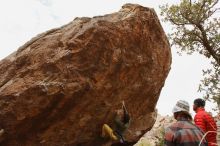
x=61 y=86
x=155 y=137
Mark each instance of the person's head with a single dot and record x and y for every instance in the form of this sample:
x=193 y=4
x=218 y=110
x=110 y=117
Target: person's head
x=199 y=102
x=181 y=109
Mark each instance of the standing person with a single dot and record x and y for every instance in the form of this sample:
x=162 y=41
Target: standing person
x=183 y=132
x=205 y=121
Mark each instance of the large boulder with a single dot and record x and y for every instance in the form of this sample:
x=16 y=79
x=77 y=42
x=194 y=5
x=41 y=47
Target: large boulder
x=59 y=88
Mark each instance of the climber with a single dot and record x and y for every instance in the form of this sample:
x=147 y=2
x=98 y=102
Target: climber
x=121 y=123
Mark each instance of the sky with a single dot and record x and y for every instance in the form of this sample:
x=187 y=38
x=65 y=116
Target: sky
x=21 y=20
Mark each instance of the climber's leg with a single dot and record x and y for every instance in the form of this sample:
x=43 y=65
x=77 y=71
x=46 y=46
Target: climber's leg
x=108 y=132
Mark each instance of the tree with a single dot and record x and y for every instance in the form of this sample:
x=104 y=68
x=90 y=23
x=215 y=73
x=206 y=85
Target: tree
x=196 y=28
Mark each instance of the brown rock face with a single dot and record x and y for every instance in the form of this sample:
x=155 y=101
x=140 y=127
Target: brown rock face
x=63 y=85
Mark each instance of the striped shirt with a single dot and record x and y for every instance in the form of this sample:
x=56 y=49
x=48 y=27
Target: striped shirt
x=183 y=133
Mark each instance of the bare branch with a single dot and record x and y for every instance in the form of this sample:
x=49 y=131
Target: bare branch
x=207 y=45
x=178 y=24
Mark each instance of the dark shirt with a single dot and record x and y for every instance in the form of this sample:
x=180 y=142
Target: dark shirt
x=120 y=126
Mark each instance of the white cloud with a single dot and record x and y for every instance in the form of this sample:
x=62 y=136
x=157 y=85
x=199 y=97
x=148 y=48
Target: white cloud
x=46 y=2
x=20 y=21
x=182 y=82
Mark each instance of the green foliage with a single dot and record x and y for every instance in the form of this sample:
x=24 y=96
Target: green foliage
x=161 y=137
x=196 y=28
